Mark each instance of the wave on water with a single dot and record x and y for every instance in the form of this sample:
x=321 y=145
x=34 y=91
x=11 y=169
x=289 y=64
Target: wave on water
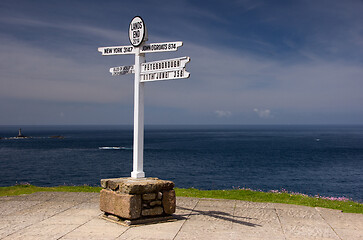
x=114 y=148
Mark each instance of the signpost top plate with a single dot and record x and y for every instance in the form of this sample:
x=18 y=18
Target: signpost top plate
x=137 y=31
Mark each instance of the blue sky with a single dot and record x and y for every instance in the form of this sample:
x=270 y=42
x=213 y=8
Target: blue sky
x=252 y=62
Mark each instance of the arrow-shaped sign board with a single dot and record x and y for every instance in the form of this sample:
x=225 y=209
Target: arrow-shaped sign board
x=164 y=65
x=122 y=70
x=161 y=47
x=117 y=50
x=146 y=48
x=164 y=75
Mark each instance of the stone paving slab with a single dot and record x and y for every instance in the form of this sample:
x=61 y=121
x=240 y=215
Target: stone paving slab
x=56 y=215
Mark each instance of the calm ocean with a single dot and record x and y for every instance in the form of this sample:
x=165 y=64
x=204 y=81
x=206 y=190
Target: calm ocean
x=324 y=160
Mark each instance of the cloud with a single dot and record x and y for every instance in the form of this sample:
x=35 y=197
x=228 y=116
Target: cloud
x=263 y=113
x=221 y=113
x=30 y=72
x=78 y=29
x=220 y=79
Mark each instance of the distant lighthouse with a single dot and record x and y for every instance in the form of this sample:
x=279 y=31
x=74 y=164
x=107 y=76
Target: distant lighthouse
x=20 y=135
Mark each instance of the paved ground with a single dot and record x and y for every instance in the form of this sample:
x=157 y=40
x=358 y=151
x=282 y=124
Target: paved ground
x=77 y=216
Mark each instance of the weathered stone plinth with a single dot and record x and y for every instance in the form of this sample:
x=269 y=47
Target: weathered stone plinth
x=130 y=198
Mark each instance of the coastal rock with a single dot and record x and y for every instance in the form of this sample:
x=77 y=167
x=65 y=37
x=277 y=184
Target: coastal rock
x=57 y=136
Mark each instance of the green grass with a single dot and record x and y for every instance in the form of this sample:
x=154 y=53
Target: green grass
x=257 y=196
x=28 y=189
x=236 y=194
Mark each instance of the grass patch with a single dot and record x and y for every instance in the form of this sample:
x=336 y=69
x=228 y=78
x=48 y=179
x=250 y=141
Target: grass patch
x=28 y=189
x=272 y=197
x=235 y=194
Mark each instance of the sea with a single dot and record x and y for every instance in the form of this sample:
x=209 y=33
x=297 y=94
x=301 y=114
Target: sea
x=323 y=160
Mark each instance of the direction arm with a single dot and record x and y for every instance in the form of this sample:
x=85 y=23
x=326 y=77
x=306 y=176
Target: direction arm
x=165 y=65
x=161 y=47
x=145 y=48
x=116 y=50
x=122 y=70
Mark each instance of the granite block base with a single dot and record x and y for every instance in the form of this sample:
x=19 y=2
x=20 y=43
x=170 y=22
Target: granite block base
x=131 y=199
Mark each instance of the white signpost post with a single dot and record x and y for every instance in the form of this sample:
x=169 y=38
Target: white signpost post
x=145 y=72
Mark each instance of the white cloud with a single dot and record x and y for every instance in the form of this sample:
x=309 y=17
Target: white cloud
x=29 y=72
x=263 y=113
x=222 y=113
x=75 y=28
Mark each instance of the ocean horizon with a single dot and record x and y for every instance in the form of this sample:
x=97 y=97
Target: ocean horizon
x=323 y=160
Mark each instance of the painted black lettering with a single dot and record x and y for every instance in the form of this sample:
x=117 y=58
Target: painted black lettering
x=136 y=25
x=146 y=47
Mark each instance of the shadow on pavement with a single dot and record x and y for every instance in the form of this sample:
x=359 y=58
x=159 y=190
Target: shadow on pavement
x=218 y=215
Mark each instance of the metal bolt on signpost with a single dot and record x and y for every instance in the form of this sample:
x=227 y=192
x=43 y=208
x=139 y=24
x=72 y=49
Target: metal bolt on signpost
x=145 y=72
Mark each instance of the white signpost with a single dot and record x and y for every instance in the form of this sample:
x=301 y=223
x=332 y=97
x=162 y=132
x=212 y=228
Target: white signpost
x=145 y=72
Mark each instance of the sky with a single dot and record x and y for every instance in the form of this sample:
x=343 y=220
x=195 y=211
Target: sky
x=252 y=62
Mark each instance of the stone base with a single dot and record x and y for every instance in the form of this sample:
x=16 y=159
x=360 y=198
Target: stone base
x=130 y=198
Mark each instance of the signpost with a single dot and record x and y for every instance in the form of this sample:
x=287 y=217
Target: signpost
x=145 y=72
